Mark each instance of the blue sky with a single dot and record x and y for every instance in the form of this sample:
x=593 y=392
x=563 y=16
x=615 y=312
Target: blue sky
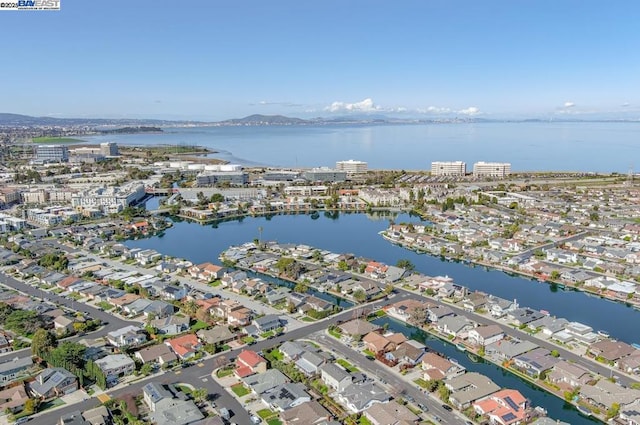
x=223 y=59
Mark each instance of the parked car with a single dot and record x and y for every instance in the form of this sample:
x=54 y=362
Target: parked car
x=423 y=407
x=447 y=407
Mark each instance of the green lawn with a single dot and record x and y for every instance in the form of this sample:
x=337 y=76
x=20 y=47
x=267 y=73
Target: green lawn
x=274 y=422
x=248 y=340
x=348 y=366
x=216 y=283
x=364 y=421
x=335 y=333
x=240 y=390
x=277 y=354
x=266 y=335
x=369 y=352
x=184 y=389
x=421 y=382
x=308 y=319
x=105 y=305
x=199 y=325
x=265 y=413
x=224 y=372
x=57 y=140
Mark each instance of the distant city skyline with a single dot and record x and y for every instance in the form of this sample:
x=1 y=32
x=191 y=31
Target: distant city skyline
x=227 y=59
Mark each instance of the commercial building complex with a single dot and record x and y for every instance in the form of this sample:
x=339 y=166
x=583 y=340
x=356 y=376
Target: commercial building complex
x=325 y=174
x=52 y=153
x=451 y=168
x=352 y=166
x=491 y=169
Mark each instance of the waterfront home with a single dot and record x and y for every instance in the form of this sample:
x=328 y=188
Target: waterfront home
x=475 y=301
x=454 y=325
x=206 y=271
x=359 y=397
x=263 y=382
x=285 y=396
x=409 y=352
x=160 y=354
x=308 y=413
x=611 y=351
x=53 y=382
x=630 y=413
x=437 y=367
x=499 y=307
x=405 y=310
x=508 y=349
x=129 y=336
x=390 y=413
x=536 y=361
x=12 y=399
x=248 y=363
x=234 y=276
x=470 y=387
x=631 y=363
x=378 y=343
x=523 y=316
x=185 y=346
x=505 y=407
x=570 y=374
x=605 y=393
x=356 y=328
x=438 y=312
x=549 y=325
x=485 y=335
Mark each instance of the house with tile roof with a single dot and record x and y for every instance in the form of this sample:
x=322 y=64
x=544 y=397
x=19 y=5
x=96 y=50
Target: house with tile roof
x=248 y=363
x=185 y=346
x=505 y=407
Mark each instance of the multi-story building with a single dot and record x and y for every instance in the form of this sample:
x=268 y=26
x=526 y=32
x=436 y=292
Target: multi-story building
x=451 y=168
x=491 y=169
x=9 y=196
x=109 y=149
x=210 y=178
x=34 y=196
x=325 y=174
x=52 y=153
x=109 y=199
x=352 y=166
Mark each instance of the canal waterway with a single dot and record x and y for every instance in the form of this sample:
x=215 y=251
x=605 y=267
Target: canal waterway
x=556 y=407
x=357 y=233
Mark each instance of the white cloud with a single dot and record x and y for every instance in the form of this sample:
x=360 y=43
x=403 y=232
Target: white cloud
x=471 y=110
x=271 y=103
x=434 y=110
x=365 y=105
x=568 y=105
x=625 y=104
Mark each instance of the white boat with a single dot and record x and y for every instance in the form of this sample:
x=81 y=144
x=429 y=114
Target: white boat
x=603 y=334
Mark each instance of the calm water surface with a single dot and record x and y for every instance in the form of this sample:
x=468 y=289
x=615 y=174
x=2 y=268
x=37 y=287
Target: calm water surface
x=540 y=146
x=358 y=234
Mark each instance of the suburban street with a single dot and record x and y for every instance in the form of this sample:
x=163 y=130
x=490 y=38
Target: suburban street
x=393 y=381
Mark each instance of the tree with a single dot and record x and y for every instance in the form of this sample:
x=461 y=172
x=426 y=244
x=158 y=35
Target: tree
x=555 y=353
x=190 y=308
x=146 y=369
x=342 y=265
x=405 y=264
x=444 y=393
x=42 y=341
x=301 y=287
x=359 y=295
x=200 y=394
x=418 y=316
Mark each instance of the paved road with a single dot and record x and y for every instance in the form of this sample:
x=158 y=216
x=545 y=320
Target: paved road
x=395 y=382
x=113 y=322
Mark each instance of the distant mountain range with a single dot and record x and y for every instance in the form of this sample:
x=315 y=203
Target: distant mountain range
x=136 y=125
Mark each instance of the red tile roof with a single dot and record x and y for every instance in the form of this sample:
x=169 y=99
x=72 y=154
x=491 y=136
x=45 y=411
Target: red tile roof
x=250 y=358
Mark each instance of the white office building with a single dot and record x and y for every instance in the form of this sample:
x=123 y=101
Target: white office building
x=491 y=169
x=352 y=166
x=451 y=168
x=109 y=199
x=52 y=153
